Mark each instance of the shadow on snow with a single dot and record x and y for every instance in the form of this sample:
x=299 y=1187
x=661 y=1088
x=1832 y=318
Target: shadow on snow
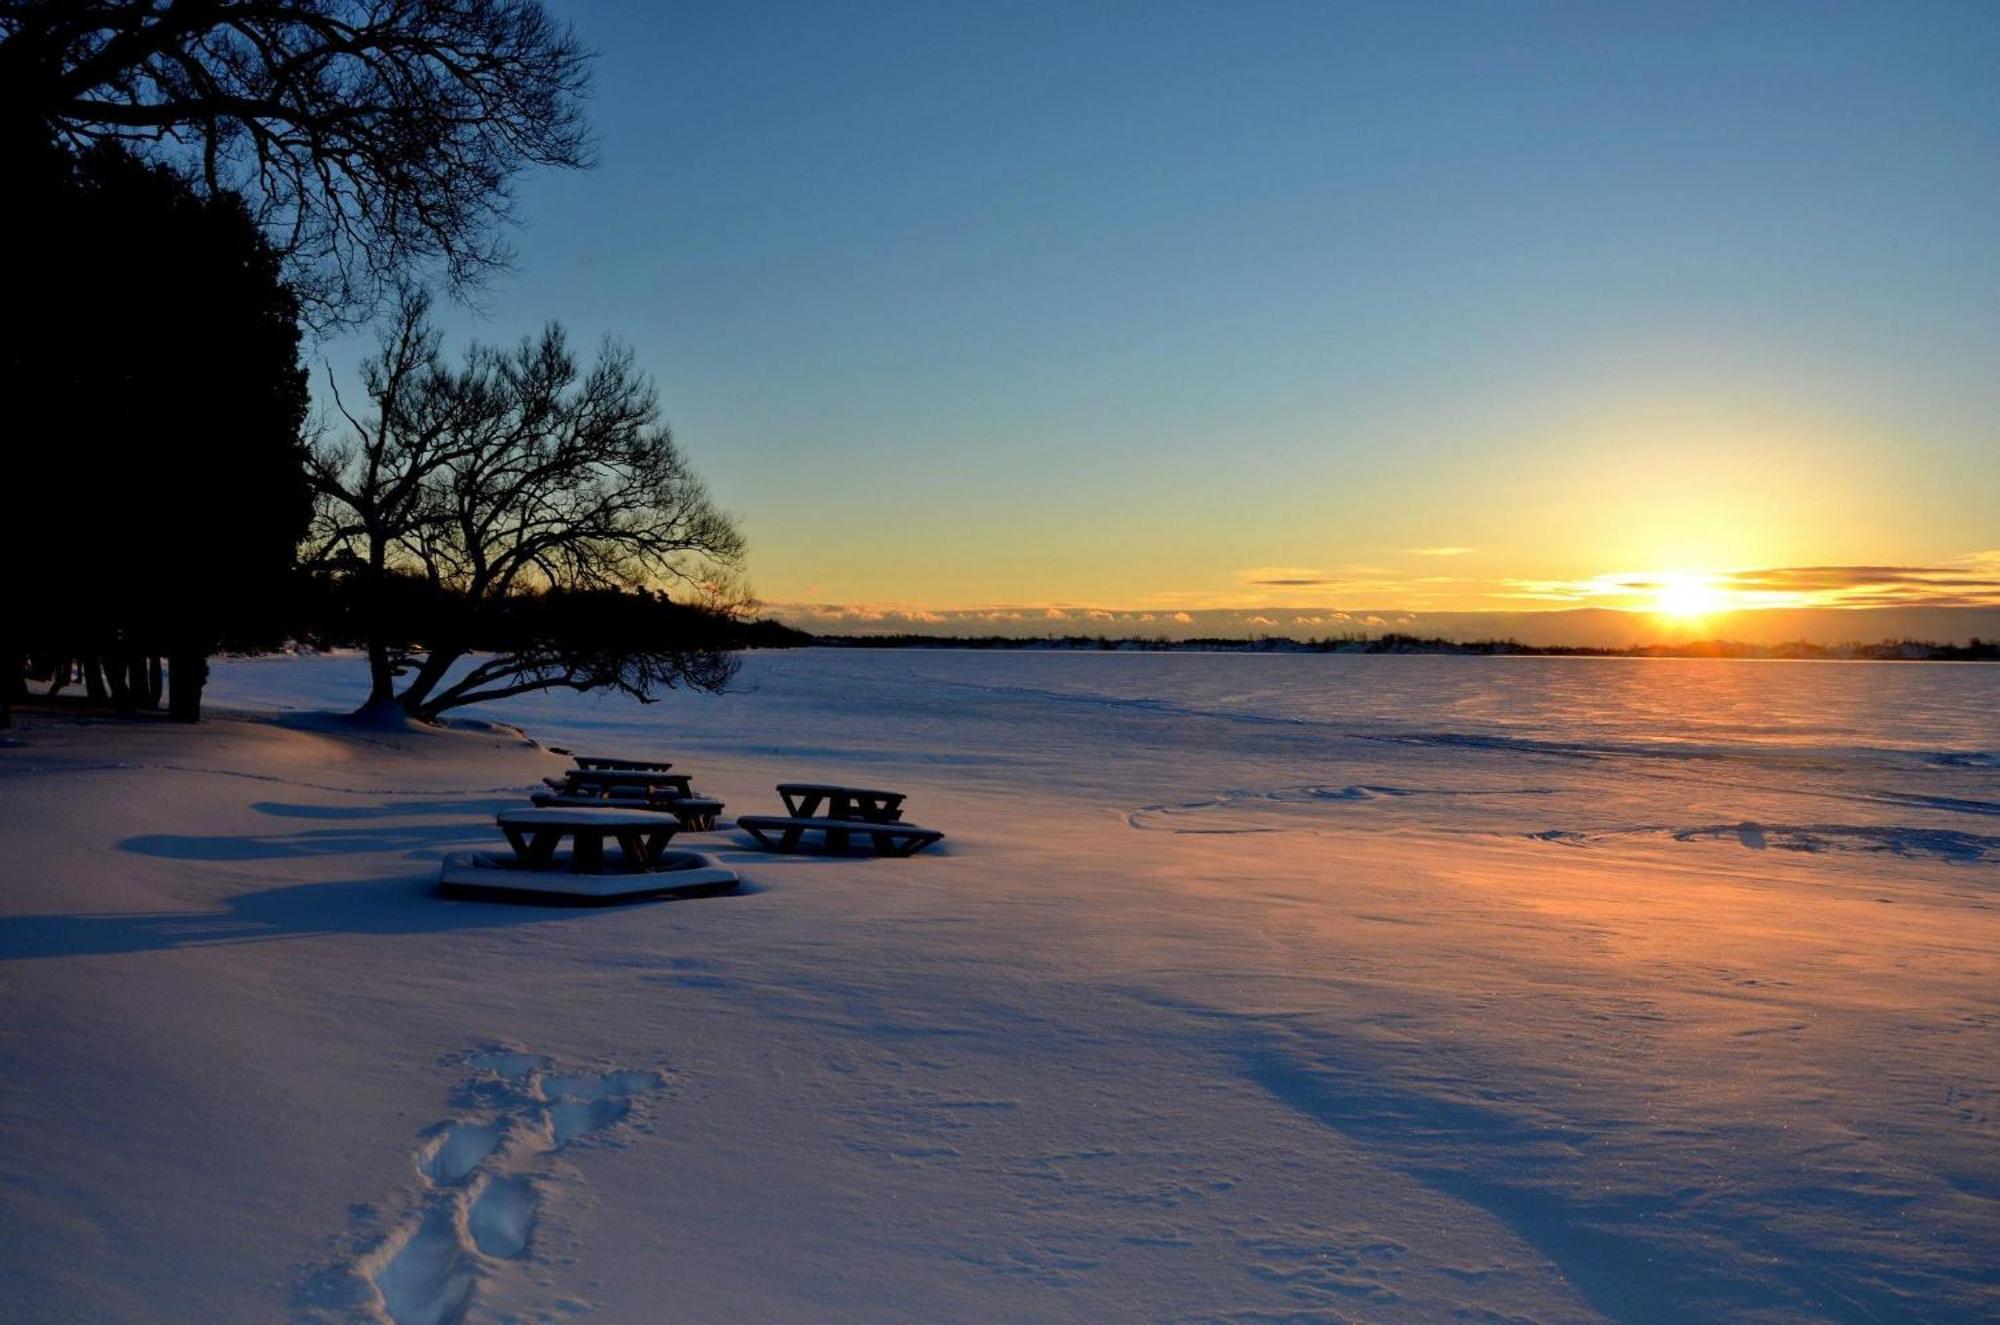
x=361 y=906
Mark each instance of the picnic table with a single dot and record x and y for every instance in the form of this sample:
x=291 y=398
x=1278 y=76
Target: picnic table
x=534 y=834
x=601 y=781
x=803 y=800
x=636 y=765
x=775 y=832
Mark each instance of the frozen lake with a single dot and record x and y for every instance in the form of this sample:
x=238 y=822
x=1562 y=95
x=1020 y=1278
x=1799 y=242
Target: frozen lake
x=1823 y=757
x=1244 y=988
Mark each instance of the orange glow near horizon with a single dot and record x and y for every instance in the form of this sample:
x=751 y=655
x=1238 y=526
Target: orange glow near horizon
x=1402 y=595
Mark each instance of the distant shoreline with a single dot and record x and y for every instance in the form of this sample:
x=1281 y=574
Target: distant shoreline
x=1883 y=651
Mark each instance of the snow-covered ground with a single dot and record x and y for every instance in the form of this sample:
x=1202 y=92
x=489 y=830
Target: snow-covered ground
x=1255 y=988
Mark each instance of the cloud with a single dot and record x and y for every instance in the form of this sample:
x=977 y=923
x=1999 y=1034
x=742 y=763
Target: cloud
x=1182 y=618
x=1290 y=576
x=1055 y=614
x=1439 y=551
x=1262 y=621
x=1349 y=582
x=1968 y=581
x=839 y=615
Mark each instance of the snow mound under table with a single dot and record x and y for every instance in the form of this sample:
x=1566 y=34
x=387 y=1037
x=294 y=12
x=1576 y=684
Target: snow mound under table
x=675 y=873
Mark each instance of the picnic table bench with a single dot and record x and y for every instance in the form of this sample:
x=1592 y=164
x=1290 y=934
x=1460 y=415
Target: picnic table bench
x=534 y=834
x=777 y=832
x=636 y=765
x=804 y=799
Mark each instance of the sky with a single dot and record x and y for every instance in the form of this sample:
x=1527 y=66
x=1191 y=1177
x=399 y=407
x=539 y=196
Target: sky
x=1334 y=307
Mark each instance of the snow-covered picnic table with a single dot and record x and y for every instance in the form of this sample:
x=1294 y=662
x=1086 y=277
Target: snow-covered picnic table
x=803 y=801
x=534 y=834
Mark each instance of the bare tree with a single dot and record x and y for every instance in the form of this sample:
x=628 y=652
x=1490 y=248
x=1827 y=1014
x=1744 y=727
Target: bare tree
x=374 y=488
x=517 y=478
x=368 y=137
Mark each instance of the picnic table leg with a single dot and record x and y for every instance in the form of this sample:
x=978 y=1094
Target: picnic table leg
x=542 y=846
x=631 y=850
x=836 y=841
x=588 y=858
x=651 y=845
x=517 y=840
x=790 y=840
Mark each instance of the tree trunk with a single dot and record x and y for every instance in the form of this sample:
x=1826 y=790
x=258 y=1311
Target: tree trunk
x=381 y=676
x=436 y=663
x=136 y=683
x=13 y=685
x=155 y=682
x=187 y=672
x=93 y=680
x=381 y=672
x=115 y=676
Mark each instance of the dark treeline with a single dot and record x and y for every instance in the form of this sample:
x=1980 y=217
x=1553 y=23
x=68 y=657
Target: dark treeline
x=149 y=360
x=195 y=190
x=1887 y=650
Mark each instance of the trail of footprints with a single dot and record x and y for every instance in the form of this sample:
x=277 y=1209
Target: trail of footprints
x=484 y=1178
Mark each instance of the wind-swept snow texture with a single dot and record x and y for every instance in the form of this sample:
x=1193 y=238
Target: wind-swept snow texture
x=1265 y=988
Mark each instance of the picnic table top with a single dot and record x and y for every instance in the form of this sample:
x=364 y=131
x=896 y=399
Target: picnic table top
x=634 y=802
x=608 y=762
x=835 y=789
x=629 y=775
x=581 y=816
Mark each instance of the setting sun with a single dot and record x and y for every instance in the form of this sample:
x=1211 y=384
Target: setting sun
x=1686 y=597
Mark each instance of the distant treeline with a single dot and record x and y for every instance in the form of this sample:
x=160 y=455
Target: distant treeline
x=1885 y=651
x=323 y=613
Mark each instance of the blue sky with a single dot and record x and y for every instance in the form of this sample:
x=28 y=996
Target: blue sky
x=1131 y=305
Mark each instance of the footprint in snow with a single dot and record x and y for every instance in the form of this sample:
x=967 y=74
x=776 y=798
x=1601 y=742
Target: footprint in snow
x=482 y=1183
x=458 y=1147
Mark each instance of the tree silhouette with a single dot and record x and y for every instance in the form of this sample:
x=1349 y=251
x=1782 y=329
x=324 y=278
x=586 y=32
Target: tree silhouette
x=149 y=361
x=366 y=137
x=466 y=494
